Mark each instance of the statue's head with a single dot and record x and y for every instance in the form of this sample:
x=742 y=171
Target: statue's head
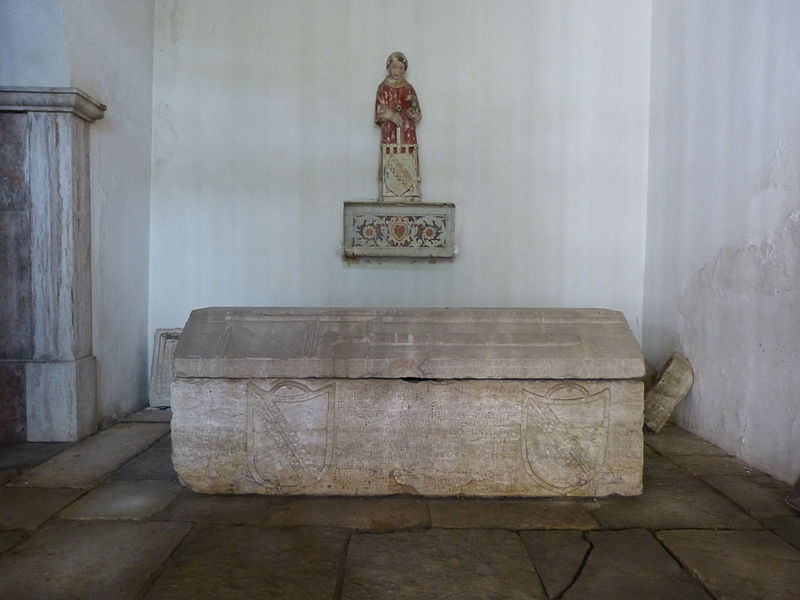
x=396 y=65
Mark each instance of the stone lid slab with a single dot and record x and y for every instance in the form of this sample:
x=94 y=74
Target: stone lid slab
x=426 y=343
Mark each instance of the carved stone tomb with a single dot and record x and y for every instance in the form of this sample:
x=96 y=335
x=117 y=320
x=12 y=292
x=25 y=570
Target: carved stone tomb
x=440 y=402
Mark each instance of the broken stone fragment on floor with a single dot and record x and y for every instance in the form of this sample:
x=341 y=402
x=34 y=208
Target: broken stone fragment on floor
x=672 y=386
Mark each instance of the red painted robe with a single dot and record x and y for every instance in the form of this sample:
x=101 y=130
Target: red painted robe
x=394 y=98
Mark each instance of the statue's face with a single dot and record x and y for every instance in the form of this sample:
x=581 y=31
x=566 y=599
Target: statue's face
x=397 y=70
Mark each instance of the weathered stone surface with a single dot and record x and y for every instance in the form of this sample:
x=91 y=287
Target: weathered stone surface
x=786 y=527
x=672 y=499
x=253 y=562
x=26 y=455
x=149 y=415
x=379 y=437
x=511 y=514
x=759 y=501
x=743 y=565
x=124 y=500
x=93 y=560
x=632 y=564
x=374 y=514
x=153 y=463
x=22 y=508
x=51 y=99
x=675 y=441
x=162 y=372
x=714 y=465
x=239 y=510
x=557 y=557
x=61 y=400
x=422 y=343
x=672 y=386
x=8 y=539
x=13 y=418
x=83 y=464
x=464 y=564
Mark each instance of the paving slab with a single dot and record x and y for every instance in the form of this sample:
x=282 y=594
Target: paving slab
x=8 y=539
x=760 y=502
x=465 y=564
x=512 y=514
x=738 y=565
x=672 y=499
x=715 y=465
x=557 y=557
x=373 y=514
x=153 y=463
x=8 y=474
x=675 y=441
x=786 y=527
x=235 y=562
x=84 y=464
x=149 y=415
x=28 y=454
x=122 y=500
x=235 y=510
x=632 y=564
x=26 y=508
x=65 y=559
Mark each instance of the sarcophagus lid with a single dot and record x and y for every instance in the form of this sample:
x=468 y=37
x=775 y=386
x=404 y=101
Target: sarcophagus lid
x=456 y=343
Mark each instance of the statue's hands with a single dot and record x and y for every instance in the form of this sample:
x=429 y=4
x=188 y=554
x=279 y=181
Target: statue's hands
x=396 y=119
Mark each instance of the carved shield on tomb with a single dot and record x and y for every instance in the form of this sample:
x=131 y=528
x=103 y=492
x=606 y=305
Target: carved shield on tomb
x=400 y=175
x=565 y=435
x=289 y=434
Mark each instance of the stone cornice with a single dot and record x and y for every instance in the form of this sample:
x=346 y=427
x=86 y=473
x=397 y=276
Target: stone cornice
x=46 y=99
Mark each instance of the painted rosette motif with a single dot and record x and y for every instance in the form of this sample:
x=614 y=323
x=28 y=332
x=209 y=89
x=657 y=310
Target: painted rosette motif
x=386 y=231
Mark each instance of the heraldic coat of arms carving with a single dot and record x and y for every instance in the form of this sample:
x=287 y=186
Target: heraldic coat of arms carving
x=289 y=434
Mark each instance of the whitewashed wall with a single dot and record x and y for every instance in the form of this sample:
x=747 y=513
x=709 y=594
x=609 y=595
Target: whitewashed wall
x=105 y=48
x=535 y=125
x=723 y=237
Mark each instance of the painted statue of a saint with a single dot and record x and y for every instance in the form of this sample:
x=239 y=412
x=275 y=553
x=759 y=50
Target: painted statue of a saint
x=397 y=112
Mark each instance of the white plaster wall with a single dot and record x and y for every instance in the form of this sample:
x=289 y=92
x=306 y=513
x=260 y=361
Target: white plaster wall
x=110 y=49
x=535 y=125
x=723 y=236
x=33 y=48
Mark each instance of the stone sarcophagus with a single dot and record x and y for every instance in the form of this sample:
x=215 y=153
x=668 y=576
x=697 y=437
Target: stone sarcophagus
x=439 y=402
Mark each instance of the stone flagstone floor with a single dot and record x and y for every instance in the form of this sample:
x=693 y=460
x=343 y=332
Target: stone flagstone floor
x=107 y=518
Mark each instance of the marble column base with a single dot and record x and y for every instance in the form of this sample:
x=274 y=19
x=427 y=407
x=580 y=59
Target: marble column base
x=61 y=400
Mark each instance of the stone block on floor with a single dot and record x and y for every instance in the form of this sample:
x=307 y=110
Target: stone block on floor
x=715 y=465
x=238 y=562
x=757 y=500
x=632 y=564
x=149 y=415
x=153 y=463
x=374 y=514
x=675 y=441
x=512 y=514
x=29 y=454
x=557 y=556
x=787 y=528
x=672 y=499
x=239 y=510
x=741 y=565
x=8 y=539
x=84 y=464
x=66 y=559
x=124 y=500
x=24 y=508
x=467 y=564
